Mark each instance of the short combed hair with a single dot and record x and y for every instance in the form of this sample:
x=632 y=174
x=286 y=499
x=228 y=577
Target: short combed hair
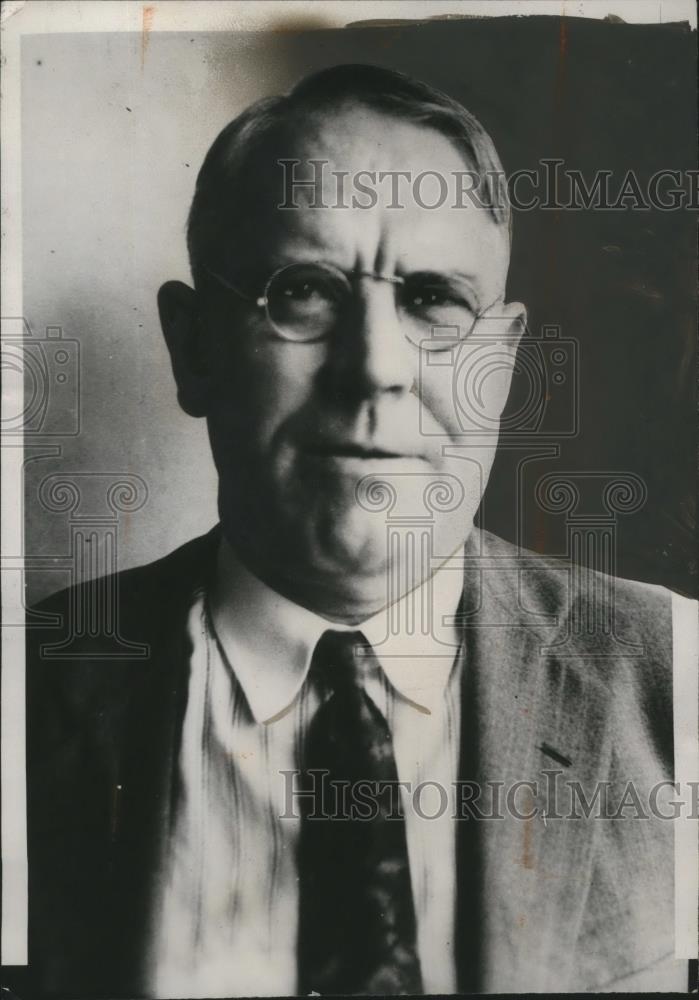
x=228 y=172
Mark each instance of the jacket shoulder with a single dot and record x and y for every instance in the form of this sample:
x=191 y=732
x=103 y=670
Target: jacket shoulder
x=139 y=587
x=596 y=636
x=88 y=646
x=537 y=585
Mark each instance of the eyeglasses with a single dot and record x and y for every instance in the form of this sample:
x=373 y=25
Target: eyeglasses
x=308 y=302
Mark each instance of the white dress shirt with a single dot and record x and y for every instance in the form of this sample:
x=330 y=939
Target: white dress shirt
x=226 y=916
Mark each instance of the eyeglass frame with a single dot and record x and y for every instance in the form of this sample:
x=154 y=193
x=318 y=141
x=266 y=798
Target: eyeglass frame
x=262 y=301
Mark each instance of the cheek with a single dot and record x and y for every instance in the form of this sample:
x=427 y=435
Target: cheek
x=464 y=392
x=459 y=405
x=261 y=388
x=436 y=390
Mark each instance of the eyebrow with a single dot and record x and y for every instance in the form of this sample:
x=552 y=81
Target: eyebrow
x=276 y=261
x=471 y=279
x=312 y=255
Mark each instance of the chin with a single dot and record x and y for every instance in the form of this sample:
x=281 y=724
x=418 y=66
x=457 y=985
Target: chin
x=334 y=565
x=346 y=543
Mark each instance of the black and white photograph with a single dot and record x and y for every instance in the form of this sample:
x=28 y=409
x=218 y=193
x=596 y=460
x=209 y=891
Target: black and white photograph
x=349 y=448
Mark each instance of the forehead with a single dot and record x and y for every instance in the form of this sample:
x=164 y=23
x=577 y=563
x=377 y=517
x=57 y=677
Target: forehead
x=391 y=190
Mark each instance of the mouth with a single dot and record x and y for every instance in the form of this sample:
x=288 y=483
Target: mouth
x=350 y=449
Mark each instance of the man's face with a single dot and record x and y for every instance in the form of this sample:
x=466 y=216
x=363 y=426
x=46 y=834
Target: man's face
x=296 y=428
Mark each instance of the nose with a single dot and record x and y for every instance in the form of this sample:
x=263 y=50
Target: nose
x=375 y=356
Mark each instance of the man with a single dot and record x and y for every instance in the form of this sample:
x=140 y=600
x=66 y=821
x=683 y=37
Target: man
x=179 y=844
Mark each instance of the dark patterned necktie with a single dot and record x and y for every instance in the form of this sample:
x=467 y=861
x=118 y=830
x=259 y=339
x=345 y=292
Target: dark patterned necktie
x=357 y=929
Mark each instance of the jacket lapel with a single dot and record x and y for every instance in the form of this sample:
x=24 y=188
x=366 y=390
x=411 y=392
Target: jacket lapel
x=530 y=722
x=103 y=742
x=149 y=782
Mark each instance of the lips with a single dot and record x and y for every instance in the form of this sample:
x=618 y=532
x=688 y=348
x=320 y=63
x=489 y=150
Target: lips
x=353 y=449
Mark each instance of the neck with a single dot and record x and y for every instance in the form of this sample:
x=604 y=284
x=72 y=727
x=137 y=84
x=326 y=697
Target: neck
x=342 y=602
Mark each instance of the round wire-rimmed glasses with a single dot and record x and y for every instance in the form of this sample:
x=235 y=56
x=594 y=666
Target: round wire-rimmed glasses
x=308 y=302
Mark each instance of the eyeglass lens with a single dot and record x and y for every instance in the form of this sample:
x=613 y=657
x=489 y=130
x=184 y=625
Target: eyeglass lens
x=307 y=302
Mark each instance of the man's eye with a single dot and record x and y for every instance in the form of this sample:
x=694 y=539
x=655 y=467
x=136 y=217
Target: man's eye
x=304 y=305
x=303 y=291
x=425 y=297
x=306 y=294
x=428 y=297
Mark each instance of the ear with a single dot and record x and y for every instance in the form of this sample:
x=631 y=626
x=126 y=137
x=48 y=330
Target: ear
x=512 y=317
x=184 y=336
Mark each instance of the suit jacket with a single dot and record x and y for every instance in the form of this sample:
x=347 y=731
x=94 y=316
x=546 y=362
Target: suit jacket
x=558 y=677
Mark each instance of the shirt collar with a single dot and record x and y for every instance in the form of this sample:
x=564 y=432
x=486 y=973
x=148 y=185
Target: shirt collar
x=269 y=640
